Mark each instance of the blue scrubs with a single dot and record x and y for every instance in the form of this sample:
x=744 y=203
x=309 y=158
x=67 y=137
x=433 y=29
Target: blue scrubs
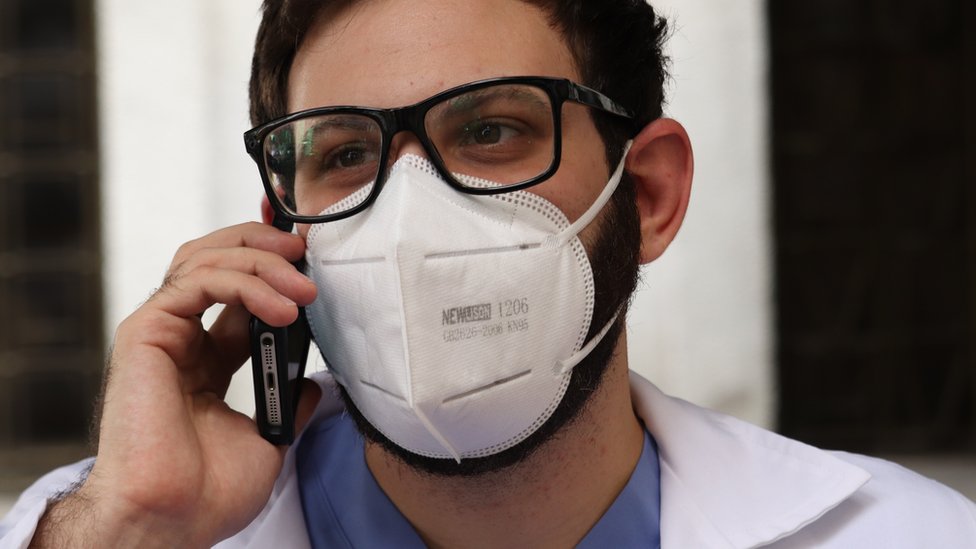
x=345 y=507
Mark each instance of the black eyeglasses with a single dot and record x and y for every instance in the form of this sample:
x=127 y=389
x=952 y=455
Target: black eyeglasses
x=486 y=137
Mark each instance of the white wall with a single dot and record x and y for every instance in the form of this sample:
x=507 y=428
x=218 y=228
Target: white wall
x=171 y=72
x=173 y=97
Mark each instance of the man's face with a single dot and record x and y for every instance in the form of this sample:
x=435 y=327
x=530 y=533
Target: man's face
x=391 y=53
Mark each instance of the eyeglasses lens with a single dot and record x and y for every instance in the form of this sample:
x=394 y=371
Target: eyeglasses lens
x=502 y=134
x=323 y=164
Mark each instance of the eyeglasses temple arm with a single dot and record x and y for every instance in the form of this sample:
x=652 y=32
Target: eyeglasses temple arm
x=593 y=98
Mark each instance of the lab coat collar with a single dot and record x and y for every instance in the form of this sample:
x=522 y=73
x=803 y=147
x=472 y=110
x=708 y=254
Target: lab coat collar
x=729 y=484
x=724 y=483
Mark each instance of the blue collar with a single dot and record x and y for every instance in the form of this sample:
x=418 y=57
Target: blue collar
x=345 y=507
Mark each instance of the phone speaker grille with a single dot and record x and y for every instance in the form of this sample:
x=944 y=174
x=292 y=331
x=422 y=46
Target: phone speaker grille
x=272 y=396
x=274 y=414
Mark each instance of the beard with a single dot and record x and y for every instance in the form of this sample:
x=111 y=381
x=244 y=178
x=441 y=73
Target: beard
x=614 y=252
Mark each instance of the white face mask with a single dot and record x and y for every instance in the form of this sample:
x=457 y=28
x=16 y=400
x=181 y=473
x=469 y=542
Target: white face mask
x=453 y=320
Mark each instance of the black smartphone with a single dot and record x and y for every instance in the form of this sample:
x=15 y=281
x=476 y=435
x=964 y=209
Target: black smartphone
x=278 y=357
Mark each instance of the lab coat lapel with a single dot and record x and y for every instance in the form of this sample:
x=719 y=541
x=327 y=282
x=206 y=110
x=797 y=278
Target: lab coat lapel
x=728 y=484
x=724 y=483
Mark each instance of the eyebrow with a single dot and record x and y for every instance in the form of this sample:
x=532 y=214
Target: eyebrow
x=472 y=100
x=341 y=122
x=336 y=122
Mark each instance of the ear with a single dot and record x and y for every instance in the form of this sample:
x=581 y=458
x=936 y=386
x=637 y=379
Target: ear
x=661 y=163
x=267 y=212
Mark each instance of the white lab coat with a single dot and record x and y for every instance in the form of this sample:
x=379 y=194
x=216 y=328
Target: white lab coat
x=724 y=484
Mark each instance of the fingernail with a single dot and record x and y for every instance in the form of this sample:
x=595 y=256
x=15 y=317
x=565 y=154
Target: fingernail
x=287 y=301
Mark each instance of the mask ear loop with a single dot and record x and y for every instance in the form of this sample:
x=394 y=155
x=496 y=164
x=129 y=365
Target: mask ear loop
x=560 y=239
x=566 y=365
x=563 y=237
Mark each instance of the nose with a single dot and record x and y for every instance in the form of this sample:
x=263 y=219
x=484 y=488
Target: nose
x=404 y=143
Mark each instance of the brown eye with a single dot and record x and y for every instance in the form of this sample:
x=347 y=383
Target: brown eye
x=351 y=157
x=483 y=132
x=488 y=134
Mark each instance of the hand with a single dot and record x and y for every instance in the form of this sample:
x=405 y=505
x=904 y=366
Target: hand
x=176 y=466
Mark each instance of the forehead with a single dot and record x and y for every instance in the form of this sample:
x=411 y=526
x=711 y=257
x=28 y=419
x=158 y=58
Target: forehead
x=389 y=53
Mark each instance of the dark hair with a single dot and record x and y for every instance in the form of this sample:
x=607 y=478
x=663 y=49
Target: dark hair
x=616 y=44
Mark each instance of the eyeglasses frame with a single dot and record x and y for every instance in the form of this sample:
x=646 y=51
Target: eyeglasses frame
x=411 y=118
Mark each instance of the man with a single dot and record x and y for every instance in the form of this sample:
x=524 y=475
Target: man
x=469 y=262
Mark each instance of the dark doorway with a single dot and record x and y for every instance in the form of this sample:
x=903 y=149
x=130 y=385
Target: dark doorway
x=51 y=335
x=874 y=151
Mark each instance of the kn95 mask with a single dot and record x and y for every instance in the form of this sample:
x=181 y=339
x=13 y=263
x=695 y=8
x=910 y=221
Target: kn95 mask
x=453 y=320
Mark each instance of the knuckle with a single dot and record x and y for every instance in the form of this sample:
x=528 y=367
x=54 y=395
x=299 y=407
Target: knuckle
x=185 y=250
x=126 y=324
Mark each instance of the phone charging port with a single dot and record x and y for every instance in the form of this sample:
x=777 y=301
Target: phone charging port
x=270 y=383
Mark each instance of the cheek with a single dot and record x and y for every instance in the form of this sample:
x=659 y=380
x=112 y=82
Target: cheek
x=577 y=183
x=583 y=171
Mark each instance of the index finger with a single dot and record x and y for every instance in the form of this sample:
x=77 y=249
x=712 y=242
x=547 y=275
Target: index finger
x=249 y=235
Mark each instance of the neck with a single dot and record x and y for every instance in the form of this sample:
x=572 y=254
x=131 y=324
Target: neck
x=551 y=499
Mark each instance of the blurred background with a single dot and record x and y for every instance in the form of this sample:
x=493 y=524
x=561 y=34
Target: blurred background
x=824 y=283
